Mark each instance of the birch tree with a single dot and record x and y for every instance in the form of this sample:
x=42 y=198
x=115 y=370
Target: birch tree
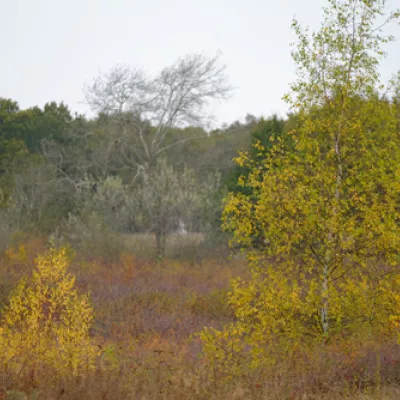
x=326 y=210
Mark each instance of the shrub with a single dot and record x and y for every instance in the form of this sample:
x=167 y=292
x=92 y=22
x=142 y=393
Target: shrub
x=46 y=323
x=277 y=314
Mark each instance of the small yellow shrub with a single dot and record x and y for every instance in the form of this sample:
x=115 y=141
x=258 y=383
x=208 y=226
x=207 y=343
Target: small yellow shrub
x=46 y=323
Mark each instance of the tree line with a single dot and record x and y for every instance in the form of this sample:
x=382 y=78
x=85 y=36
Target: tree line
x=147 y=162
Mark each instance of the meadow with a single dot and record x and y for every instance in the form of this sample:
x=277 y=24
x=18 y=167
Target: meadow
x=146 y=316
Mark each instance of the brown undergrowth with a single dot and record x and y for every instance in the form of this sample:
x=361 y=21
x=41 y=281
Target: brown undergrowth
x=146 y=316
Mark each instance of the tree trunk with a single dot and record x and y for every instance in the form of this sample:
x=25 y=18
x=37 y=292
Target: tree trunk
x=161 y=240
x=325 y=297
x=332 y=236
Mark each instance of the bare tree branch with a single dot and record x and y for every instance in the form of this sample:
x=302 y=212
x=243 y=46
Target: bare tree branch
x=146 y=109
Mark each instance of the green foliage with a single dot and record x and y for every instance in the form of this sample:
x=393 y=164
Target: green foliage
x=33 y=125
x=12 y=153
x=263 y=135
x=25 y=137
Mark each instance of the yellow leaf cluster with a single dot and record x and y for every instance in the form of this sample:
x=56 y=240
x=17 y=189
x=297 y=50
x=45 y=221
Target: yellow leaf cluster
x=47 y=322
x=277 y=314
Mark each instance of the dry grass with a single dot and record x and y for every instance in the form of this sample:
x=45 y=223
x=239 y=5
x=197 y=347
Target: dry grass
x=177 y=246
x=146 y=314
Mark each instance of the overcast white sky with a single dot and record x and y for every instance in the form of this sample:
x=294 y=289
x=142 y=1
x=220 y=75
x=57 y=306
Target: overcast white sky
x=51 y=48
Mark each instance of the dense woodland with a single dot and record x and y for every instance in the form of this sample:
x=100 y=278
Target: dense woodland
x=146 y=255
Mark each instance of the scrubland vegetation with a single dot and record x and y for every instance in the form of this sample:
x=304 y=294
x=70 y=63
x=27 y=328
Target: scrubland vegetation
x=143 y=340
x=138 y=261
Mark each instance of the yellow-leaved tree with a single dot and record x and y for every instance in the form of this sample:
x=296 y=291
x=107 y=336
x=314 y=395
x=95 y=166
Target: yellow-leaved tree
x=326 y=208
x=46 y=325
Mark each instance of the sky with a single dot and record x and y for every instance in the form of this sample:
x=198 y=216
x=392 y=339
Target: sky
x=51 y=48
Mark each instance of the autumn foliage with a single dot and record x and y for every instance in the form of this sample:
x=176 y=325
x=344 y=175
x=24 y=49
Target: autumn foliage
x=46 y=324
x=307 y=307
x=321 y=226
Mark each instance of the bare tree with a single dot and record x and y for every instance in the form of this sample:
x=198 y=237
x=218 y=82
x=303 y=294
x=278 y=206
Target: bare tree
x=142 y=110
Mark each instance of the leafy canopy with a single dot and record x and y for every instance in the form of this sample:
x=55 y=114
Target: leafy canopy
x=325 y=209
